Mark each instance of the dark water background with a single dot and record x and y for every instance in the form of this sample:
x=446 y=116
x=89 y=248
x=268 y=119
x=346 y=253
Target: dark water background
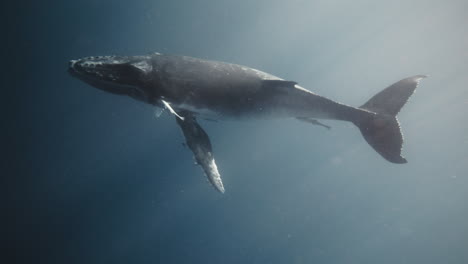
x=95 y=178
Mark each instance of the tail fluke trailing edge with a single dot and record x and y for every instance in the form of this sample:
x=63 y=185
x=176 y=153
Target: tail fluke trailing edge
x=381 y=129
x=383 y=133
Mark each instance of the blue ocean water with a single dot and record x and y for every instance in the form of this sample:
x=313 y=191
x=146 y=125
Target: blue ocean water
x=103 y=181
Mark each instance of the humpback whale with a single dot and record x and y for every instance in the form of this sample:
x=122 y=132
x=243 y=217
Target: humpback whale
x=191 y=88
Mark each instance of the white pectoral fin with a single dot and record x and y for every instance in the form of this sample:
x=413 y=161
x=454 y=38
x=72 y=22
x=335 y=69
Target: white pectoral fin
x=168 y=106
x=199 y=143
x=212 y=173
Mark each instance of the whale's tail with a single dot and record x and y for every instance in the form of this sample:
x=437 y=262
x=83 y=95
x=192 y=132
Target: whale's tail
x=381 y=128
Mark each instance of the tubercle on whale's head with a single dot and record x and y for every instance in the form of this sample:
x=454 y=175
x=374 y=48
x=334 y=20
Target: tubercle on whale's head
x=123 y=75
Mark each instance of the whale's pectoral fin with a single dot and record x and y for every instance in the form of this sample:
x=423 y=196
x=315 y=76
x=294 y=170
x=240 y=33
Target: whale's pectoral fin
x=169 y=107
x=199 y=143
x=313 y=121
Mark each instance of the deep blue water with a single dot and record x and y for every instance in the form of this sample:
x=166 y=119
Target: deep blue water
x=96 y=178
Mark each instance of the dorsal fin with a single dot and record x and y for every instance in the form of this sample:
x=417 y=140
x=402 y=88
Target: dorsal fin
x=278 y=83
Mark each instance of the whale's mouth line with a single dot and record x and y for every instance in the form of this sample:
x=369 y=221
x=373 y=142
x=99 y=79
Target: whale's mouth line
x=104 y=76
x=75 y=71
x=99 y=69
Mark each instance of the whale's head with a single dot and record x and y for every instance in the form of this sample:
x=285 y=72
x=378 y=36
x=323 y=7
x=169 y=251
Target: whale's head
x=123 y=75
